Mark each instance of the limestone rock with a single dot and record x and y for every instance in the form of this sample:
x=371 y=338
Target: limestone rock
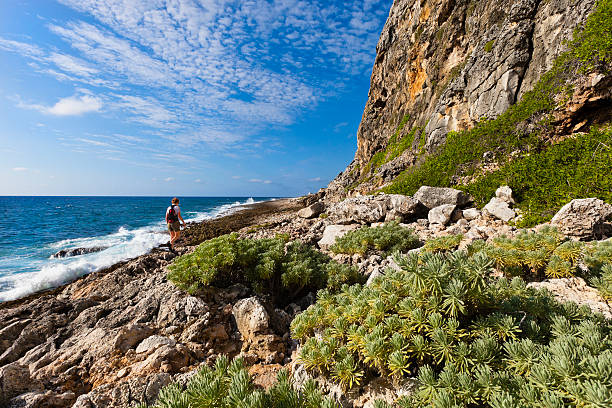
x=471 y=214
x=154 y=342
x=583 y=218
x=500 y=209
x=131 y=335
x=433 y=197
x=312 y=211
x=15 y=380
x=504 y=193
x=251 y=318
x=332 y=232
x=365 y=209
x=575 y=290
x=441 y=214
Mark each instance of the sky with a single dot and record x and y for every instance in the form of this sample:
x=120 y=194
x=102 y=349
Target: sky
x=182 y=97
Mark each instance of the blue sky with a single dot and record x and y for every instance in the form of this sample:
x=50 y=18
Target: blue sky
x=182 y=97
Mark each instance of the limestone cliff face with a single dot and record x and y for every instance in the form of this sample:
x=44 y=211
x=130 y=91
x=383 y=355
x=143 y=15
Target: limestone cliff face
x=444 y=64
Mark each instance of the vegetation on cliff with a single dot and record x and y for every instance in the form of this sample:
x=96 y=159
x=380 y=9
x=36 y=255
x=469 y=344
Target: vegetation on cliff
x=387 y=238
x=272 y=266
x=544 y=177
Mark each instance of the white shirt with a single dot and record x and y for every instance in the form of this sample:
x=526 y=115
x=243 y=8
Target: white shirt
x=176 y=208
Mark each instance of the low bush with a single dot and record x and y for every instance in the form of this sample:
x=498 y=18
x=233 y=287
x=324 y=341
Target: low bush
x=472 y=340
x=229 y=385
x=272 y=266
x=387 y=238
x=443 y=244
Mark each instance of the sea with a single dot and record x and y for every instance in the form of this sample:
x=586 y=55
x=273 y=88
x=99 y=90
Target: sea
x=33 y=229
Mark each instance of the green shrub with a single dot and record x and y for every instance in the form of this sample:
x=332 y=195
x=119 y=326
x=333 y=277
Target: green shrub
x=272 y=266
x=592 y=45
x=489 y=46
x=387 y=238
x=229 y=385
x=443 y=244
x=473 y=341
x=544 y=181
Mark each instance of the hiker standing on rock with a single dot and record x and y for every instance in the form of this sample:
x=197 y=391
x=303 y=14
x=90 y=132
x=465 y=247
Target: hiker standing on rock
x=173 y=215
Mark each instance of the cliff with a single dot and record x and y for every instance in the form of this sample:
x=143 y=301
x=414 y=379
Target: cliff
x=444 y=65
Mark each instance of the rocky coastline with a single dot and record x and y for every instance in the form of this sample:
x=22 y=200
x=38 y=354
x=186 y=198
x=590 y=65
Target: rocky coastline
x=115 y=337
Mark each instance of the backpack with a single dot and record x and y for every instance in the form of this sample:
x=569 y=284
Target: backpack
x=171 y=216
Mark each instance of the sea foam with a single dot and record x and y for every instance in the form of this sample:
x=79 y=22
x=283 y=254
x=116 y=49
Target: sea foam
x=122 y=245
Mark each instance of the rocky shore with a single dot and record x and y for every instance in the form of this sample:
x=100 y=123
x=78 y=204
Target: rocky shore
x=114 y=338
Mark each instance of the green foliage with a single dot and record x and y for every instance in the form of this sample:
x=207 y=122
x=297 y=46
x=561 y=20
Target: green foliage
x=544 y=181
x=443 y=244
x=472 y=340
x=229 y=385
x=387 y=238
x=489 y=46
x=592 y=45
x=272 y=266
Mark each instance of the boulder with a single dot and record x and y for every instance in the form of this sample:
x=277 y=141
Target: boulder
x=471 y=213
x=332 y=232
x=441 y=214
x=405 y=207
x=363 y=209
x=504 y=193
x=312 y=211
x=583 y=218
x=500 y=209
x=131 y=335
x=432 y=197
x=154 y=342
x=251 y=318
x=65 y=253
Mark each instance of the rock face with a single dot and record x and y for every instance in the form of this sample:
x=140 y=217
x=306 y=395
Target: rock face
x=441 y=65
x=584 y=218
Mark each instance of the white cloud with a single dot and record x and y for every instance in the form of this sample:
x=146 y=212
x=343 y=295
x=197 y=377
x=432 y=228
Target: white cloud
x=20 y=169
x=236 y=177
x=169 y=179
x=69 y=106
x=197 y=181
x=267 y=182
x=315 y=179
x=255 y=180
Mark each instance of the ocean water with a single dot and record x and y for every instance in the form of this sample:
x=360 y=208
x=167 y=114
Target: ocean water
x=32 y=229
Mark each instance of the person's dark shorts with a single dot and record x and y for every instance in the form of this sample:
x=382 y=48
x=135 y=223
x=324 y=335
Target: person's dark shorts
x=174 y=226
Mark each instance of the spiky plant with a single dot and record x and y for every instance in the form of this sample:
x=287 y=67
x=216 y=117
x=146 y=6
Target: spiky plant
x=388 y=238
x=443 y=244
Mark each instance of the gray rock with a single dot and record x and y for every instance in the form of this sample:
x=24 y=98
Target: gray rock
x=251 y=318
x=312 y=211
x=583 y=218
x=154 y=342
x=432 y=197
x=332 y=232
x=131 y=335
x=504 y=193
x=471 y=214
x=500 y=209
x=441 y=214
x=372 y=209
x=15 y=380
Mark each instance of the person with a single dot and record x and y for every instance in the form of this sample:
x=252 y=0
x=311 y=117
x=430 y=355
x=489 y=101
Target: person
x=173 y=215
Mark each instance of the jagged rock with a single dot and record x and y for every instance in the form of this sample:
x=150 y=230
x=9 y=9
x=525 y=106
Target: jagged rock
x=11 y=332
x=583 y=218
x=39 y=399
x=312 y=211
x=441 y=214
x=152 y=343
x=333 y=232
x=575 y=290
x=251 y=318
x=500 y=209
x=195 y=306
x=174 y=356
x=504 y=193
x=471 y=213
x=432 y=197
x=15 y=380
x=371 y=209
x=65 y=253
x=131 y=335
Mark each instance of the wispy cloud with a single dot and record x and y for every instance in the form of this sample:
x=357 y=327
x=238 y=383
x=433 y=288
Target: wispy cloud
x=18 y=169
x=169 y=179
x=315 y=179
x=211 y=72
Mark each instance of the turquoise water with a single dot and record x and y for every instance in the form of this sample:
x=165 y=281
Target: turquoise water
x=34 y=228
